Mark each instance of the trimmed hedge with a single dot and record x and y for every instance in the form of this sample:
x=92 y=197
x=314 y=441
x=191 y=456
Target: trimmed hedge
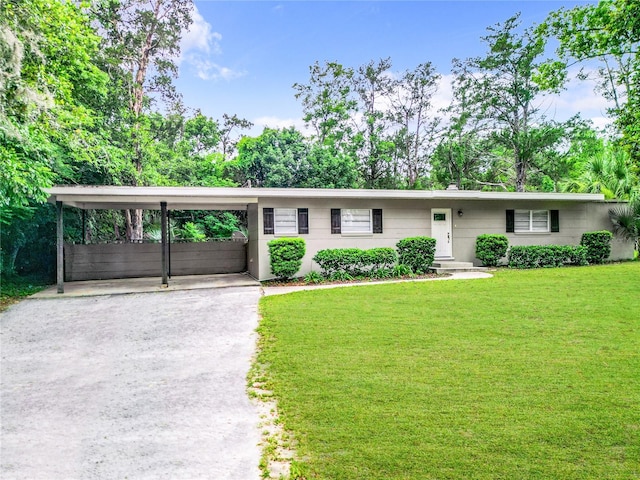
x=490 y=248
x=598 y=245
x=536 y=256
x=286 y=256
x=417 y=253
x=354 y=261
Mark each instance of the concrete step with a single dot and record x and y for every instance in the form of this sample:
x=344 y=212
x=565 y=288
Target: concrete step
x=448 y=266
x=451 y=264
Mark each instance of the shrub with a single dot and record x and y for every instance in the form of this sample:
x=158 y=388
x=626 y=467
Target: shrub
x=192 y=232
x=354 y=261
x=286 y=256
x=536 y=256
x=490 y=248
x=380 y=258
x=598 y=245
x=401 y=271
x=313 y=277
x=417 y=253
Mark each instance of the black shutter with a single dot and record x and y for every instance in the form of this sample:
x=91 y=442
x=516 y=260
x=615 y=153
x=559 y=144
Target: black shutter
x=335 y=221
x=303 y=221
x=267 y=220
x=377 y=220
x=511 y=221
x=555 y=220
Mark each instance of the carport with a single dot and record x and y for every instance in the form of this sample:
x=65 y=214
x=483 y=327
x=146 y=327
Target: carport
x=164 y=199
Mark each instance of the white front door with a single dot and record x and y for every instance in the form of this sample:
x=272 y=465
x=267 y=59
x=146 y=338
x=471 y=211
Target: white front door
x=441 y=231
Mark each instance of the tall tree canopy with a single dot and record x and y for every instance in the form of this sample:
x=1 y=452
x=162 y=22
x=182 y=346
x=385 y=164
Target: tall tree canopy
x=502 y=89
x=605 y=39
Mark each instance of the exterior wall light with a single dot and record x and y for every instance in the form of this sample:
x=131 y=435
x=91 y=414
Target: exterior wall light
x=460 y=212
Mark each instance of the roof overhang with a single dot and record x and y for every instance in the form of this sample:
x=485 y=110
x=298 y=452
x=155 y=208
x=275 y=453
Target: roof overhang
x=225 y=198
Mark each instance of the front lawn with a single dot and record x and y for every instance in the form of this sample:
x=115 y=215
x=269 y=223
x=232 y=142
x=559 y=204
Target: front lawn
x=531 y=374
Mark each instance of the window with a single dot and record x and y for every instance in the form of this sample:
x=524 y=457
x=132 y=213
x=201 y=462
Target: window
x=356 y=220
x=285 y=221
x=532 y=221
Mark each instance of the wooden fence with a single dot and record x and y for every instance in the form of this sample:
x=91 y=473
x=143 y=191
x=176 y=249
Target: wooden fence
x=130 y=260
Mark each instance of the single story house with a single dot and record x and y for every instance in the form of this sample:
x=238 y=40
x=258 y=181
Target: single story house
x=330 y=218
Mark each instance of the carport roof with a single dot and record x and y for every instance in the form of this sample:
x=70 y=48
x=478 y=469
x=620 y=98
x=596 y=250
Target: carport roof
x=225 y=198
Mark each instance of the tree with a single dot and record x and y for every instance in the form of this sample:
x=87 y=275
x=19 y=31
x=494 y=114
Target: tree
x=286 y=159
x=416 y=129
x=607 y=33
x=373 y=85
x=47 y=82
x=607 y=171
x=328 y=104
x=141 y=41
x=230 y=123
x=502 y=87
x=277 y=158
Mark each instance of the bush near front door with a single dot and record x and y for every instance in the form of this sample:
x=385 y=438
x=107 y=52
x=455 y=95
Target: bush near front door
x=417 y=253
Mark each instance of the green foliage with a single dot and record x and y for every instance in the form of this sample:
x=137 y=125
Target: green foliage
x=547 y=256
x=490 y=248
x=501 y=88
x=221 y=224
x=355 y=262
x=191 y=232
x=313 y=277
x=285 y=159
x=598 y=245
x=286 y=256
x=626 y=221
x=604 y=34
x=401 y=270
x=341 y=276
x=607 y=171
x=417 y=253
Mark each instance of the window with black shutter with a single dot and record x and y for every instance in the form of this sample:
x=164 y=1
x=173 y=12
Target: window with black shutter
x=267 y=220
x=335 y=221
x=377 y=220
x=303 y=221
x=555 y=220
x=511 y=221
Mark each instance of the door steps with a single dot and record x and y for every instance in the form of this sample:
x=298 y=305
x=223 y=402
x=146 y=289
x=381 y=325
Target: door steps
x=449 y=266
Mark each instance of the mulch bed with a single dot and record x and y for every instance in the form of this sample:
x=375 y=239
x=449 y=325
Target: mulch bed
x=298 y=282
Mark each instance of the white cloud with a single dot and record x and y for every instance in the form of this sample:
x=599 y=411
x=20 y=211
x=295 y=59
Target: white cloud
x=279 y=123
x=200 y=38
x=198 y=45
x=206 y=69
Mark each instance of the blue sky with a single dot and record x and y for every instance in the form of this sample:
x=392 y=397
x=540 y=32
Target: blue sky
x=242 y=57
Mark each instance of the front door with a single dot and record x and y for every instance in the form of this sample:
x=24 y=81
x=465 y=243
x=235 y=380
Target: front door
x=441 y=231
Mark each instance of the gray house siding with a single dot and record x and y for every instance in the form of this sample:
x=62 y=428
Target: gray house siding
x=407 y=218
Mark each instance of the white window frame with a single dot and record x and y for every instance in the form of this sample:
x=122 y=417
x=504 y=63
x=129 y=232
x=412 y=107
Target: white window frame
x=530 y=228
x=345 y=229
x=287 y=228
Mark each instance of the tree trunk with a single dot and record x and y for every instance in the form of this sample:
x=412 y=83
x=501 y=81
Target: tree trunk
x=521 y=176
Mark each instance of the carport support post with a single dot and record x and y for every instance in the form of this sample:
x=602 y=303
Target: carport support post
x=60 y=248
x=163 y=231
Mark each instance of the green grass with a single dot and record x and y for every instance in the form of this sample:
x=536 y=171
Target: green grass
x=531 y=374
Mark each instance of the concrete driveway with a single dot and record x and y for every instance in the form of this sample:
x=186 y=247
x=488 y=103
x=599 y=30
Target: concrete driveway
x=133 y=386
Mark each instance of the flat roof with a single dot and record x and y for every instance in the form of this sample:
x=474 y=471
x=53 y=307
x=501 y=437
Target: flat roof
x=228 y=198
